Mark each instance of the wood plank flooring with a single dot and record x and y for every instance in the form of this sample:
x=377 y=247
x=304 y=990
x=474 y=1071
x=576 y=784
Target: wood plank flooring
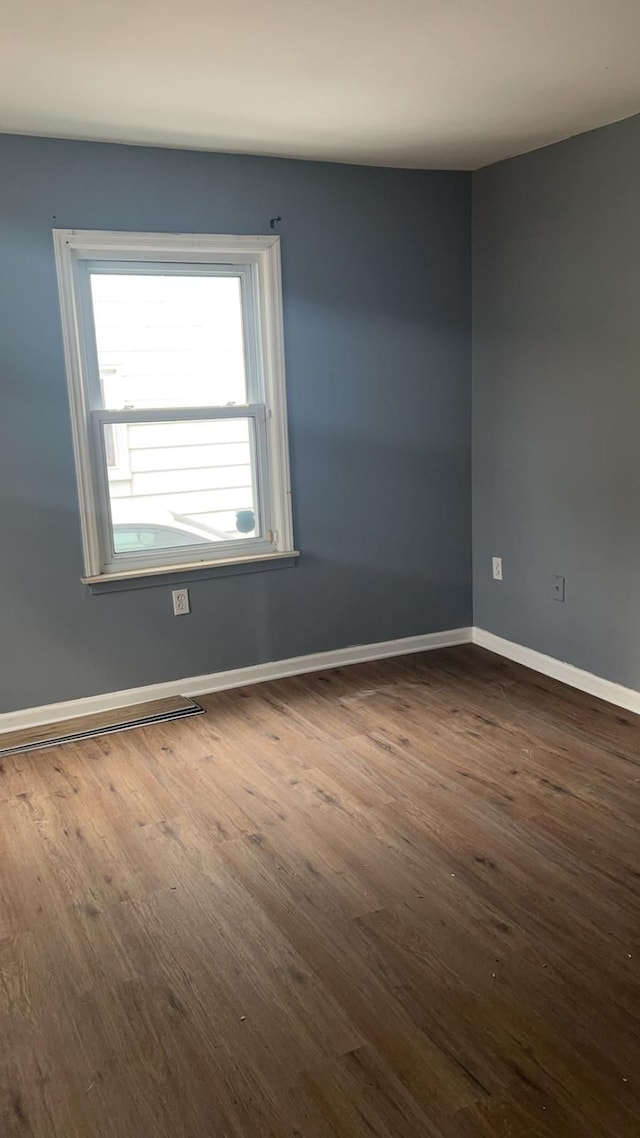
x=400 y=899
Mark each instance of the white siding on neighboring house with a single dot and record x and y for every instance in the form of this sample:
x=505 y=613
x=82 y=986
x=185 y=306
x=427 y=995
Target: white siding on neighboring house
x=176 y=467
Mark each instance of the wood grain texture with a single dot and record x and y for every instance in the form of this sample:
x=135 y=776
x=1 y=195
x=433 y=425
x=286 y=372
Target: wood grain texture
x=399 y=899
x=100 y=722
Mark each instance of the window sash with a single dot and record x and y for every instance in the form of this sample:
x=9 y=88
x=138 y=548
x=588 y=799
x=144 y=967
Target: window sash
x=110 y=561
x=261 y=543
x=85 y=267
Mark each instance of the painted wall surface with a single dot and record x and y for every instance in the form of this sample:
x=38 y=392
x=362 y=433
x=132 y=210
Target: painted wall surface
x=376 y=268
x=556 y=399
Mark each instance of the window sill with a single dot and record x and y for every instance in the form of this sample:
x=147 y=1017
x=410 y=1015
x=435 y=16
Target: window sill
x=195 y=571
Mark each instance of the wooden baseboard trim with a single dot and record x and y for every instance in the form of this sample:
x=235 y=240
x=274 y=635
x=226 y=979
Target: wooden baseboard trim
x=588 y=682
x=594 y=685
x=237 y=677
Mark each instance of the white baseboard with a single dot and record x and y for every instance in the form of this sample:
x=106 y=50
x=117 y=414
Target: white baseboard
x=237 y=677
x=558 y=670
x=318 y=661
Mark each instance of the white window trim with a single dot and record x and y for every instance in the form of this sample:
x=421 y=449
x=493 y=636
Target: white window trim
x=73 y=246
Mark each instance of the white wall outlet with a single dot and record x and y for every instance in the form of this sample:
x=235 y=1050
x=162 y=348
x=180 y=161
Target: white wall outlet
x=496 y=568
x=180 y=602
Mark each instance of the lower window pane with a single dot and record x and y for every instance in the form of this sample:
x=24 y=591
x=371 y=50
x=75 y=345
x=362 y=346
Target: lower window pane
x=181 y=484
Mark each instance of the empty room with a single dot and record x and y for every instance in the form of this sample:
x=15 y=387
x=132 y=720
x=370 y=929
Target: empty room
x=320 y=569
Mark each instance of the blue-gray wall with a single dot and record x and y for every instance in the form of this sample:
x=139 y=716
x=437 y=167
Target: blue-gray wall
x=376 y=267
x=556 y=399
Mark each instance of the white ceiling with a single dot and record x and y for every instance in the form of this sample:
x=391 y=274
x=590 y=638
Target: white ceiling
x=426 y=83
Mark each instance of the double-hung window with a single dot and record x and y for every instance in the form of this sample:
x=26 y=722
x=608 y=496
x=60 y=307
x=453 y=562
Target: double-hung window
x=175 y=364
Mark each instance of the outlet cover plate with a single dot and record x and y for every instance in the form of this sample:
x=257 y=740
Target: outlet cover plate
x=180 y=598
x=557 y=585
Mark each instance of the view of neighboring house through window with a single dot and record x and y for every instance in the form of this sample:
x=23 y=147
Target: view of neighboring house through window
x=177 y=391
x=164 y=341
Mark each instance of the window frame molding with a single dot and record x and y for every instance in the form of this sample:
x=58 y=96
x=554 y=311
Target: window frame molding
x=264 y=340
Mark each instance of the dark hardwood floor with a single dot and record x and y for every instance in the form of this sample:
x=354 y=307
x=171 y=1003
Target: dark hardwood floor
x=399 y=899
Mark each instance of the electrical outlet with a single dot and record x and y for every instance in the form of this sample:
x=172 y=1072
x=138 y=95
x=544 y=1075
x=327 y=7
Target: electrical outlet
x=557 y=585
x=180 y=602
x=496 y=568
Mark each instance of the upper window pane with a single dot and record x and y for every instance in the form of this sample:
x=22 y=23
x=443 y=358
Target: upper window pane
x=169 y=340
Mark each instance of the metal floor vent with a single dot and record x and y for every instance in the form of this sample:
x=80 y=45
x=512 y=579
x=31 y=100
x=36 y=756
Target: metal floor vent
x=101 y=723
